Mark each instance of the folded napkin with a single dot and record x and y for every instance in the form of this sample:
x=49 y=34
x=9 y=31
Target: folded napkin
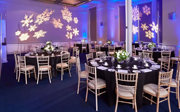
x=136 y=71
x=111 y=70
x=94 y=63
x=155 y=66
x=122 y=71
x=146 y=70
x=102 y=68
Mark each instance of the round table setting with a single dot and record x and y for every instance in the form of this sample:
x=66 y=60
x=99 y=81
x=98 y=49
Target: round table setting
x=54 y=58
x=148 y=73
x=156 y=52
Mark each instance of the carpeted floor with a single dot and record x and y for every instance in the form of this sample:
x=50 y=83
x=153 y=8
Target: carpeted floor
x=59 y=96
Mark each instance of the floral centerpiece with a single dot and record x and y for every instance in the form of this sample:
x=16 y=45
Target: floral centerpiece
x=109 y=42
x=121 y=55
x=48 y=47
x=151 y=45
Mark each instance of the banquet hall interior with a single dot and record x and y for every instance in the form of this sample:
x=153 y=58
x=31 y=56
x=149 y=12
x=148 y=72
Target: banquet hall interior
x=89 y=55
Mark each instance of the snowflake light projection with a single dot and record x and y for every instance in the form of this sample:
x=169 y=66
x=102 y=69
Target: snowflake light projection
x=39 y=34
x=43 y=17
x=75 y=31
x=69 y=35
x=57 y=23
x=135 y=29
x=149 y=34
x=32 y=28
x=27 y=20
x=154 y=27
x=68 y=28
x=136 y=14
x=144 y=26
x=66 y=14
x=24 y=36
x=75 y=20
x=146 y=10
x=18 y=33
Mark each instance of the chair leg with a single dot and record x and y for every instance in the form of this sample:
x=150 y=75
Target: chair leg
x=49 y=76
x=78 y=85
x=86 y=94
x=178 y=96
x=157 y=105
x=135 y=104
x=26 y=77
x=69 y=72
x=41 y=75
x=169 y=105
x=62 y=74
x=117 y=99
x=38 y=78
x=96 y=100
x=19 y=76
x=151 y=99
x=16 y=73
x=34 y=73
x=29 y=74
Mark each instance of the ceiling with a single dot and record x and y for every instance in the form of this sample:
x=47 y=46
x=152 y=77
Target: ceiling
x=65 y=2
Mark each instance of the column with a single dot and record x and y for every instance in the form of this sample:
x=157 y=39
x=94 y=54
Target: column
x=128 y=6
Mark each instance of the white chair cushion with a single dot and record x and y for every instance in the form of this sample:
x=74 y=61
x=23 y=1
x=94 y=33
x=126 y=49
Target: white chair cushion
x=126 y=92
x=28 y=67
x=83 y=74
x=174 y=58
x=100 y=84
x=44 y=68
x=111 y=53
x=173 y=83
x=152 y=89
x=72 y=60
x=63 y=65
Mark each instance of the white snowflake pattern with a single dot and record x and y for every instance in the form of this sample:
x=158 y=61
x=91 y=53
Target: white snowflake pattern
x=57 y=23
x=24 y=36
x=43 y=17
x=27 y=20
x=149 y=34
x=146 y=10
x=32 y=28
x=144 y=26
x=17 y=33
x=75 y=20
x=39 y=34
x=69 y=35
x=154 y=27
x=68 y=28
x=66 y=14
x=75 y=31
x=135 y=14
x=135 y=29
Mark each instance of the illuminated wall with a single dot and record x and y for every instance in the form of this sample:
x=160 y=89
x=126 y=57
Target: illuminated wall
x=51 y=28
x=171 y=26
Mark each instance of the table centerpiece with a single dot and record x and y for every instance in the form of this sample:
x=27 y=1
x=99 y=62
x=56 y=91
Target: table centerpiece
x=151 y=45
x=121 y=55
x=48 y=47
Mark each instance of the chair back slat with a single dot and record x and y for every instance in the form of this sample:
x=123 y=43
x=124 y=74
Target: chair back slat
x=22 y=61
x=65 y=56
x=111 y=48
x=165 y=80
x=147 y=54
x=100 y=54
x=126 y=80
x=91 y=73
x=89 y=56
x=42 y=60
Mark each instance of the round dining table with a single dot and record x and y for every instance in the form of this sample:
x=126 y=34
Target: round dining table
x=148 y=73
x=54 y=58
